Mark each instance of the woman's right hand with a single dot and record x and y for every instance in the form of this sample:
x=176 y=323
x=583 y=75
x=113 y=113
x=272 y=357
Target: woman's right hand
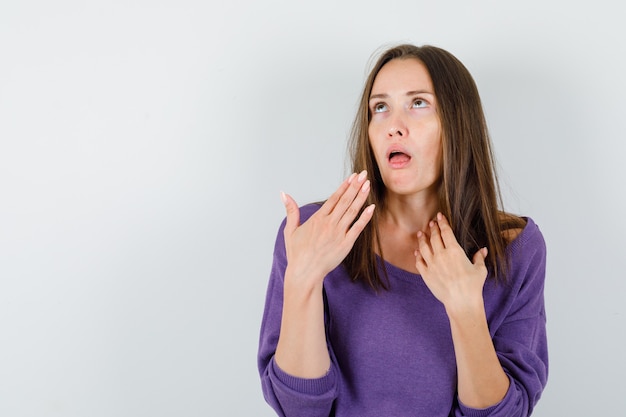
x=313 y=250
x=320 y=244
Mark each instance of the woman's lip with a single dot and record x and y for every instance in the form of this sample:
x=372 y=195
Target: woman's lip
x=396 y=148
x=399 y=161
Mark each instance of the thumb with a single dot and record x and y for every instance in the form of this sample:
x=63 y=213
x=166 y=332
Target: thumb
x=293 y=213
x=479 y=256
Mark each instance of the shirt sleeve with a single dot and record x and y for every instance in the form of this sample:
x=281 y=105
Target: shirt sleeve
x=519 y=335
x=288 y=395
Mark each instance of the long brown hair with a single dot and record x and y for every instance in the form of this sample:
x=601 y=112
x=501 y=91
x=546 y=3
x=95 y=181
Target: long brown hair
x=469 y=194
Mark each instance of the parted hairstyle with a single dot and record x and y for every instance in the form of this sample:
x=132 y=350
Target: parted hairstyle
x=469 y=194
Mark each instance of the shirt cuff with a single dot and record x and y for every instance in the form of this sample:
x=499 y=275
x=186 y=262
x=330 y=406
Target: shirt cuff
x=309 y=386
x=492 y=410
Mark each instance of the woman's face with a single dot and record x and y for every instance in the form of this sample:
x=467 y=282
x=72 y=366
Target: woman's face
x=405 y=130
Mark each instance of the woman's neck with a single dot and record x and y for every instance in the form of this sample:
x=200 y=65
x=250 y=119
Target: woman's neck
x=409 y=214
x=402 y=217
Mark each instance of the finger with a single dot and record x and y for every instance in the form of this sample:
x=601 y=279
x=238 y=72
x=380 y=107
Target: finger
x=330 y=204
x=424 y=247
x=360 y=224
x=355 y=207
x=435 y=237
x=346 y=199
x=447 y=234
x=420 y=264
x=479 y=257
x=293 y=213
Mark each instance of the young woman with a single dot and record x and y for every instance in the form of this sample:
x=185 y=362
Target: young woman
x=409 y=292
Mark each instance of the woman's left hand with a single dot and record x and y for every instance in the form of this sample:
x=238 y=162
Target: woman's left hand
x=452 y=278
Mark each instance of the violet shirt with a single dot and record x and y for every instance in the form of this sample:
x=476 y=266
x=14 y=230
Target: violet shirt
x=391 y=352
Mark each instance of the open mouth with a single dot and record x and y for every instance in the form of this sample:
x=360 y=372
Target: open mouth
x=398 y=157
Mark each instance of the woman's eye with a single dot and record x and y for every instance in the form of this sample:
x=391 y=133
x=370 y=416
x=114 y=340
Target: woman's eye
x=380 y=107
x=419 y=103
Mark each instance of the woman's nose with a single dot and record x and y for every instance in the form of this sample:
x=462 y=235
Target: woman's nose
x=397 y=128
x=395 y=131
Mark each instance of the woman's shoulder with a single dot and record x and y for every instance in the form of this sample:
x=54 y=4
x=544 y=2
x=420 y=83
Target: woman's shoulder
x=513 y=227
x=511 y=234
x=526 y=255
x=307 y=210
x=524 y=237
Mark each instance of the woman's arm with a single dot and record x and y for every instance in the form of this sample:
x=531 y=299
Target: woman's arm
x=313 y=250
x=458 y=283
x=301 y=349
x=502 y=363
x=295 y=365
x=481 y=379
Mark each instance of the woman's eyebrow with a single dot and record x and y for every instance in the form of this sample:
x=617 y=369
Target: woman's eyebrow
x=412 y=93
x=408 y=93
x=379 y=96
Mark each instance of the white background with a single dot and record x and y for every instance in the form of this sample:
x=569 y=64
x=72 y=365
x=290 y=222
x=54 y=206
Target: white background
x=143 y=146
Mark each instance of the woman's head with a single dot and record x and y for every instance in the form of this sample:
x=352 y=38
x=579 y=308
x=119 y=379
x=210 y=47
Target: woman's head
x=404 y=131
x=467 y=190
x=463 y=127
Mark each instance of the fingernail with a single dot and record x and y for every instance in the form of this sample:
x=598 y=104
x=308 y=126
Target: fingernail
x=439 y=216
x=366 y=186
x=370 y=208
x=283 y=197
x=351 y=177
x=362 y=176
